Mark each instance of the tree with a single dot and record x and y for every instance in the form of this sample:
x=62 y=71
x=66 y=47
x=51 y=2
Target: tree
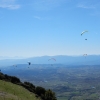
x=15 y=79
x=49 y=95
x=40 y=90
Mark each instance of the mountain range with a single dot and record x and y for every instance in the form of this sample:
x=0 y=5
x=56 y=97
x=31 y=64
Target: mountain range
x=59 y=59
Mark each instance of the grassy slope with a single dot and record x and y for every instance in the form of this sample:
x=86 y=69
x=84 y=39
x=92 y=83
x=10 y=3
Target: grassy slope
x=9 y=91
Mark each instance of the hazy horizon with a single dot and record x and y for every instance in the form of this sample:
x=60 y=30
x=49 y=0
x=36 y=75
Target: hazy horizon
x=18 y=57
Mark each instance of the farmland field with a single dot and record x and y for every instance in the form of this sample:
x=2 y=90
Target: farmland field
x=68 y=82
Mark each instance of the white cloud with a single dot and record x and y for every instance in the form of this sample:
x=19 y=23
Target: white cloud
x=47 y=4
x=10 y=4
x=37 y=17
x=86 y=6
x=42 y=18
x=94 y=6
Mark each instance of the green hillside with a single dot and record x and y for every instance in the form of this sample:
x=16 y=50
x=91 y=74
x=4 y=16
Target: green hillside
x=10 y=91
x=11 y=88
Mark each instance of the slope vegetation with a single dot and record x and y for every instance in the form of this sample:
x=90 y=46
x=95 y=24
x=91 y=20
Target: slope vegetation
x=10 y=91
x=13 y=89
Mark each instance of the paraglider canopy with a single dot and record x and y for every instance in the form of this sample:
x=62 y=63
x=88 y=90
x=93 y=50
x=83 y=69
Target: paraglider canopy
x=85 y=55
x=83 y=32
x=29 y=63
x=52 y=59
x=15 y=65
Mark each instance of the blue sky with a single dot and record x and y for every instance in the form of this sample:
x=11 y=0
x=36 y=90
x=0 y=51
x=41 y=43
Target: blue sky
x=31 y=28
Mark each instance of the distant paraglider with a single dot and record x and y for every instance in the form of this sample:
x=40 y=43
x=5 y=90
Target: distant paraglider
x=52 y=59
x=29 y=63
x=83 y=33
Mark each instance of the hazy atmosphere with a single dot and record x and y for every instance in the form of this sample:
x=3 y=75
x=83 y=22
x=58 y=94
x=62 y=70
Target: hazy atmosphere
x=49 y=27
x=49 y=49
